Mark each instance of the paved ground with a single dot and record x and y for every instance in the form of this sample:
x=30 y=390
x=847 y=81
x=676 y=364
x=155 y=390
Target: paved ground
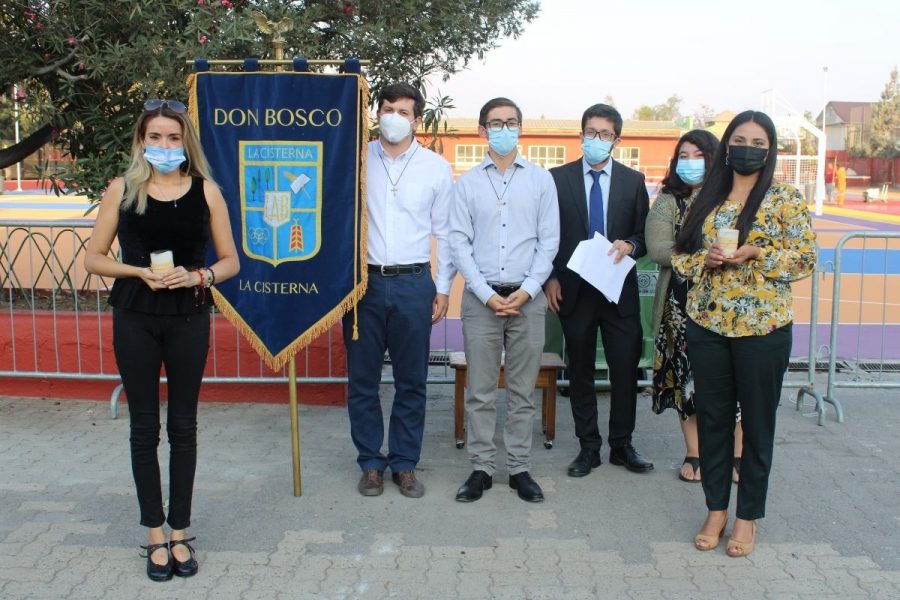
x=68 y=516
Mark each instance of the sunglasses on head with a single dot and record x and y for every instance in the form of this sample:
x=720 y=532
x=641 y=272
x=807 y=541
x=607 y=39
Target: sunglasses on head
x=174 y=105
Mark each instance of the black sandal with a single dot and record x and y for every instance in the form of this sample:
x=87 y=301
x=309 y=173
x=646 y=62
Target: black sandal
x=694 y=461
x=154 y=571
x=188 y=567
x=737 y=470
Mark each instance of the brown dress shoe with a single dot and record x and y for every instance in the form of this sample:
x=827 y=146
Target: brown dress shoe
x=371 y=483
x=409 y=485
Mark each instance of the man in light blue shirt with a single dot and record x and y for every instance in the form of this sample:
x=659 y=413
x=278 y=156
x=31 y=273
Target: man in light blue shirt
x=504 y=234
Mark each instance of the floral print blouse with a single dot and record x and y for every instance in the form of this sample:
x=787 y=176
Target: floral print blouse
x=753 y=298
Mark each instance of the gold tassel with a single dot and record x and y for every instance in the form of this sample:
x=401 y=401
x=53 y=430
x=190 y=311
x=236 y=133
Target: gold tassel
x=363 y=215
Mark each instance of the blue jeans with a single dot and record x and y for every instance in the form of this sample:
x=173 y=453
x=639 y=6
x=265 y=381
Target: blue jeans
x=394 y=314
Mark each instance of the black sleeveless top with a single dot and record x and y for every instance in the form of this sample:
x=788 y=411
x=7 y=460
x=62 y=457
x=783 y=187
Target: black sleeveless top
x=182 y=226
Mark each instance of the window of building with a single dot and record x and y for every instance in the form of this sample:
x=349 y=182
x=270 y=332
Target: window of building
x=469 y=155
x=547 y=156
x=630 y=156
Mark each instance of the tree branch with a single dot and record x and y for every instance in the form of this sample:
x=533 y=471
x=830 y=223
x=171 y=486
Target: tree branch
x=28 y=146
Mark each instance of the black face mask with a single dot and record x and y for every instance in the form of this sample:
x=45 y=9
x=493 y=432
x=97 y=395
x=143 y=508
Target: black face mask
x=747 y=160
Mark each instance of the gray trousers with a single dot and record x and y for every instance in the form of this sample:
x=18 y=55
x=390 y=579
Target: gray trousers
x=485 y=337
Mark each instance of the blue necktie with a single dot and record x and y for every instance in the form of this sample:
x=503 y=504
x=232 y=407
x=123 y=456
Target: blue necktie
x=595 y=206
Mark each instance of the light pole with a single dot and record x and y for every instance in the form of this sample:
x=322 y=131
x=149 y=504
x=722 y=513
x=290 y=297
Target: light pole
x=16 y=114
x=823 y=146
x=824 y=96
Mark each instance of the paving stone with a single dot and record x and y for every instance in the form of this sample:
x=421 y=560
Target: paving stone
x=611 y=535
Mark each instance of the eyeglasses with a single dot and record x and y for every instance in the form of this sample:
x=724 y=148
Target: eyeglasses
x=497 y=124
x=174 y=105
x=606 y=136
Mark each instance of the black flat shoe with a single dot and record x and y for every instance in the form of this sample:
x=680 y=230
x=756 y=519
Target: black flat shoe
x=528 y=489
x=584 y=462
x=154 y=571
x=626 y=456
x=188 y=567
x=474 y=487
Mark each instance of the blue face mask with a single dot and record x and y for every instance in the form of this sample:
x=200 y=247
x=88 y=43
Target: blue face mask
x=504 y=141
x=596 y=150
x=164 y=160
x=691 y=170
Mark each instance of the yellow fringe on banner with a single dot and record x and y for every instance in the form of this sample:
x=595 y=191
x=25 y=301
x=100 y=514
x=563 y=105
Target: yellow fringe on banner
x=360 y=268
x=192 y=101
x=276 y=362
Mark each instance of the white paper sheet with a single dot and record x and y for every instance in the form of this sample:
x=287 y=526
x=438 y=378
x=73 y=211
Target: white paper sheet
x=590 y=260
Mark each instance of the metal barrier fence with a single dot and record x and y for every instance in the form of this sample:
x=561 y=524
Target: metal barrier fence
x=55 y=324
x=865 y=351
x=46 y=293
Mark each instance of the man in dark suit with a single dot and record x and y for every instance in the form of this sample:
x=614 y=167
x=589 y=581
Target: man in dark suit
x=597 y=193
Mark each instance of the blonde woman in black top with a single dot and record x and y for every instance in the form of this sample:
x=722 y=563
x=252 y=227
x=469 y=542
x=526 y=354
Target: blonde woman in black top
x=166 y=200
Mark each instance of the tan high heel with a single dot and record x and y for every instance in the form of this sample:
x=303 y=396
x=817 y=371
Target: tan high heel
x=737 y=548
x=704 y=542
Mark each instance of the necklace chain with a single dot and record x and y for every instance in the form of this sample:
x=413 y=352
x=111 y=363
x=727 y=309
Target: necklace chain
x=388 y=174
x=159 y=187
x=505 y=187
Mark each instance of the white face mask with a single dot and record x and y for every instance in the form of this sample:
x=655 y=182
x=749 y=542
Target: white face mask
x=394 y=128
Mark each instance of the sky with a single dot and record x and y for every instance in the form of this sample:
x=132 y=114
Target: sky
x=723 y=54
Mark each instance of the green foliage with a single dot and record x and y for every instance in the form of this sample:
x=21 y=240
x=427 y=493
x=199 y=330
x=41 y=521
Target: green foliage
x=884 y=138
x=668 y=111
x=88 y=65
x=857 y=152
x=435 y=122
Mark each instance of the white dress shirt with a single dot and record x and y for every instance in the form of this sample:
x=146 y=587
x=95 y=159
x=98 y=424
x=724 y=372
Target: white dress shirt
x=504 y=229
x=408 y=200
x=604 y=186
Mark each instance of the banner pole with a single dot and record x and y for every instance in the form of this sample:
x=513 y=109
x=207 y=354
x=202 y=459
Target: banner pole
x=295 y=426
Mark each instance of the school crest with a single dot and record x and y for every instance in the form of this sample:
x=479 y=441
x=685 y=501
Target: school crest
x=281 y=200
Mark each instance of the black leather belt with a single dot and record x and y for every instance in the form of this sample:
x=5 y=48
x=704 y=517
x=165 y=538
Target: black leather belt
x=505 y=289
x=394 y=270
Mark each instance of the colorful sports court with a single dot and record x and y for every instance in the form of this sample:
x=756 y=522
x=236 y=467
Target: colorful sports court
x=870 y=287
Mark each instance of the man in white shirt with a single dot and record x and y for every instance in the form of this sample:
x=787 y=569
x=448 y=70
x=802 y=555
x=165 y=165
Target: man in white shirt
x=408 y=198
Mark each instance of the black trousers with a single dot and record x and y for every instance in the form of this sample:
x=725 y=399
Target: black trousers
x=622 y=346
x=728 y=370
x=143 y=343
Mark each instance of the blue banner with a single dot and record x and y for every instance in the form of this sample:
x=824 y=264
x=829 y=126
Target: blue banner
x=287 y=148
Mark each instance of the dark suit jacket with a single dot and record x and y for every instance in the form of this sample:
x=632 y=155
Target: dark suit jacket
x=625 y=215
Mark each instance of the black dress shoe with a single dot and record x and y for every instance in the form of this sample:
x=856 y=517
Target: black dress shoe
x=188 y=567
x=626 y=456
x=154 y=571
x=528 y=489
x=474 y=486
x=584 y=462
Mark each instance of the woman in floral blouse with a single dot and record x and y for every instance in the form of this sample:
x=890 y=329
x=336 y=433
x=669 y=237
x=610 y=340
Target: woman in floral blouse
x=740 y=315
x=673 y=380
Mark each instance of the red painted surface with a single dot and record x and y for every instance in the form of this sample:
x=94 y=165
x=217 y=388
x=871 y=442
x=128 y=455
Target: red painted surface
x=81 y=343
x=11 y=184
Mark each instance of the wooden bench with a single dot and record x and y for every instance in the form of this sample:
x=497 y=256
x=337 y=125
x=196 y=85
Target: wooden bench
x=546 y=382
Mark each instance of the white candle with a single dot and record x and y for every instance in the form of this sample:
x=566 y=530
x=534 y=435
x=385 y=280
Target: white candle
x=161 y=261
